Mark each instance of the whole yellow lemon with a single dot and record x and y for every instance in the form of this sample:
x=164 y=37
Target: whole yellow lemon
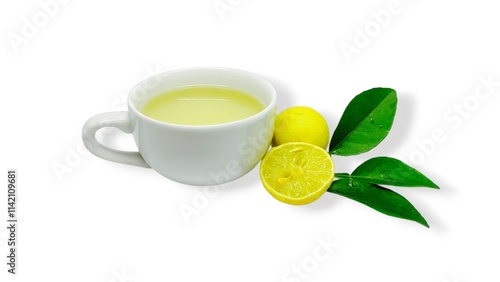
x=301 y=124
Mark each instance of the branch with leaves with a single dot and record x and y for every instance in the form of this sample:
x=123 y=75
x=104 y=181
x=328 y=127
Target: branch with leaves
x=364 y=124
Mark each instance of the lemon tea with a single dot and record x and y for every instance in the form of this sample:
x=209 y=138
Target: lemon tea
x=202 y=105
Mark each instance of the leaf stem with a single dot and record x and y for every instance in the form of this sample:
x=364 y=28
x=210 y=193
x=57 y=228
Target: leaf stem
x=349 y=176
x=342 y=175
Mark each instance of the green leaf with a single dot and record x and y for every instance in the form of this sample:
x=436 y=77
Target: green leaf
x=365 y=122
x=379 y=198
x=390 y=171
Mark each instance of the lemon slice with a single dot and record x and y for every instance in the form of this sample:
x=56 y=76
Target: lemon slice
x=297 y=173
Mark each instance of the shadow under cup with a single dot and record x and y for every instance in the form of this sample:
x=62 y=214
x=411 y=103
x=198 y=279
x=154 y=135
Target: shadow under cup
x=191 y=154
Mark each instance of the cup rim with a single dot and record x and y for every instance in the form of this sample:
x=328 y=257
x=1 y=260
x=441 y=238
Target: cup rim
x=257 y=116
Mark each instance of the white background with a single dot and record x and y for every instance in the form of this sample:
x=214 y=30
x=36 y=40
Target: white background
x=101 y=221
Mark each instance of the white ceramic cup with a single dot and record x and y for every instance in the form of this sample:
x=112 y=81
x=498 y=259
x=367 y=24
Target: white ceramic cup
x=196 y=155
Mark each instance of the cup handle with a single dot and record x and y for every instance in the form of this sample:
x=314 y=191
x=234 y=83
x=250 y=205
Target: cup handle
x=119 y=120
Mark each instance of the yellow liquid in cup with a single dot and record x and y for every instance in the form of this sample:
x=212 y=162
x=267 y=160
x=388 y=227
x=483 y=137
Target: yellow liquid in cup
x=202 y=105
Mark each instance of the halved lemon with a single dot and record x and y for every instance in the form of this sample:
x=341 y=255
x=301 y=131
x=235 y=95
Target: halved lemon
x=297 y=173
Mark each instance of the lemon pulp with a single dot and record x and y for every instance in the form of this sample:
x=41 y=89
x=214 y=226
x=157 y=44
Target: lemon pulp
x=297 y=173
